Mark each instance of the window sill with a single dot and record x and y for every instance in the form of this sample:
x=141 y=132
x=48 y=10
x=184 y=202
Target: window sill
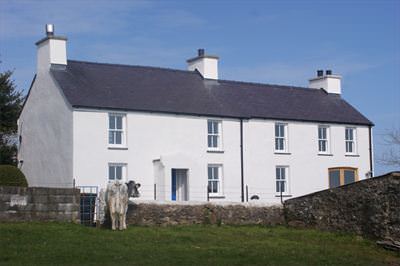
x=117 y=147
x=352 y=155
x=215 y=151
x=282 y=152
x=283 y=196
x=325 y=154
x=216 y=197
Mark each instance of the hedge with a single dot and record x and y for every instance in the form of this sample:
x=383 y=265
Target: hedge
x=12 y=176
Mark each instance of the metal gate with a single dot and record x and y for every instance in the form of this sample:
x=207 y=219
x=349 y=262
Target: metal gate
x=88 y=205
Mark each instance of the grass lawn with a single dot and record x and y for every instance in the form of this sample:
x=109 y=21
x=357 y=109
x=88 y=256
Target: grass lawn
x=71 y=244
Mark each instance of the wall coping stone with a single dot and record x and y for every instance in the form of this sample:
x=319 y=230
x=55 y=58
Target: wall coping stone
x=394 y=175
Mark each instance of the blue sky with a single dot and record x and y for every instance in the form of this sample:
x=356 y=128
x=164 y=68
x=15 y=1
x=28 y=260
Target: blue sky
x=278 y=42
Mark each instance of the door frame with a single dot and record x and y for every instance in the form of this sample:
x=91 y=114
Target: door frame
x=173 y=185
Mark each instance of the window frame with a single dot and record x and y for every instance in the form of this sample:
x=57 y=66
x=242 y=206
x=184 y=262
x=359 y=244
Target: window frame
x=124 y=171
x=327 y=139
x=353 y=140
x=285 y=137
x=286 y=180
x=341 y=174
x=219 y=146
x=219 y=180
x=123 y=131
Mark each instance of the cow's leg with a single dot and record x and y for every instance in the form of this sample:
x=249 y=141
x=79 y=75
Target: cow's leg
x=120 y=221
x=123 y=218
x=113 y=220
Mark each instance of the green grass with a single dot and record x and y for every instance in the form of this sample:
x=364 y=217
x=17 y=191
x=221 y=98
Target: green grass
x=71 y=244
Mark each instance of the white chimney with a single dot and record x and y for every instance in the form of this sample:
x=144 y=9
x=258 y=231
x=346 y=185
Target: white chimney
x=328 y=82
x=207 y=65
x=51 y=50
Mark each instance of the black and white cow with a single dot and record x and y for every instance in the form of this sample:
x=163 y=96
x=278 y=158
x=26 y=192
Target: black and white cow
x=133 y=189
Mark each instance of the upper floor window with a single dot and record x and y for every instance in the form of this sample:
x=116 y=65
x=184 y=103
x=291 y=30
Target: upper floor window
x=350 y=139
x=281 y=137
x=116 y=129
x=214 y=179
x=282 y=174
x=214 y=139
x=323 y=139
x=116 y=171
x=341 y=176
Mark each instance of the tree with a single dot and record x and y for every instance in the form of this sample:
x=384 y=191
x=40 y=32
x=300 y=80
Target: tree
x=391 y=157
x=10 y=106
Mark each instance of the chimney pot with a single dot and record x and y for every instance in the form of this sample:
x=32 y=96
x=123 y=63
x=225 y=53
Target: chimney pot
x=49 y=29
x=200 y=52
x=320 y=73
x=328 y=72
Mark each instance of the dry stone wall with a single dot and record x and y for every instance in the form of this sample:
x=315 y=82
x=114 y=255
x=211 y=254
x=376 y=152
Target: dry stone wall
x=39 y=204
x=369 y=207
x=173 y=214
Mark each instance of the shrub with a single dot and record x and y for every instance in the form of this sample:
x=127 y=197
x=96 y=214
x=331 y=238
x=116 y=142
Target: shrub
x=12 y=176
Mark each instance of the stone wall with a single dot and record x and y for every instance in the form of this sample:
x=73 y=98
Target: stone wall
x=229 y=214
x=369 y=207
x=39 y=204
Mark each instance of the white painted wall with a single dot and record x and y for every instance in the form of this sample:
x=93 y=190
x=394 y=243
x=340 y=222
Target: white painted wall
x=207 y=66
x=178 y=141
x=308 y=171
x=45 y=126
x=156 y=143
x=330 y=83
x=51 y=51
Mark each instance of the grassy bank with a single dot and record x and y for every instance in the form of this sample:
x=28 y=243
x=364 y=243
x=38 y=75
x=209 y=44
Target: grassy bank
x=69 y=244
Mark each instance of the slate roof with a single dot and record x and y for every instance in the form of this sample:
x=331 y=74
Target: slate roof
x=152 y=89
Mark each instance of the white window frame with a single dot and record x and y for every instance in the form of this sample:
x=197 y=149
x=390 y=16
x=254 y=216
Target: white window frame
x=327 y=139
x=286 y=180
x=111 y=130
x=219 y=180
x=124 y=171
x=348 y=140
x=280 y=137
x=218 y=135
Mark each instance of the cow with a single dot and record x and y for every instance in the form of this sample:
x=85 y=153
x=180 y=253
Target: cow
x=133 y=189
x=117 y=203
x=116 y=199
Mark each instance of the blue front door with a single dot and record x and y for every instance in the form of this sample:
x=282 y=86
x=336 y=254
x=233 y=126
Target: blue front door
x=173 y=185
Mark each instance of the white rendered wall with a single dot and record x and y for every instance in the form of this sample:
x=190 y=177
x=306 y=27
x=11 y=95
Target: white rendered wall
x=177 y=141
x=207 y=66
x=157 y=143
x=308 y=171
x=45 y=126
x=331 y=84
x=51 y=51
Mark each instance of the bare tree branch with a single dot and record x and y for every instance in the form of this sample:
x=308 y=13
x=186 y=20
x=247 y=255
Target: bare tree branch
x=391 y=157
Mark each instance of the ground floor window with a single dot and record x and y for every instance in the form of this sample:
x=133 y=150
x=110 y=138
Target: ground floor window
x=116 y=171
x=341 y=176
x=282 y=174
x=214 y=179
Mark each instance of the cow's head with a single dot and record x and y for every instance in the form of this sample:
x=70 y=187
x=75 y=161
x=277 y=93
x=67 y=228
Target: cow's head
x=133 y=189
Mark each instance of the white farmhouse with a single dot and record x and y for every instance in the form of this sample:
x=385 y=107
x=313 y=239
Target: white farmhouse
x=187 y=135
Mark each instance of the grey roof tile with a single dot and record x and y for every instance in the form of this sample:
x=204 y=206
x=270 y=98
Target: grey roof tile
x=152 y=89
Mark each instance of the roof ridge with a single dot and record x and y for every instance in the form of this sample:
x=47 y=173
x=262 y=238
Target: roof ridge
x=266 y=84
x=133 y=66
